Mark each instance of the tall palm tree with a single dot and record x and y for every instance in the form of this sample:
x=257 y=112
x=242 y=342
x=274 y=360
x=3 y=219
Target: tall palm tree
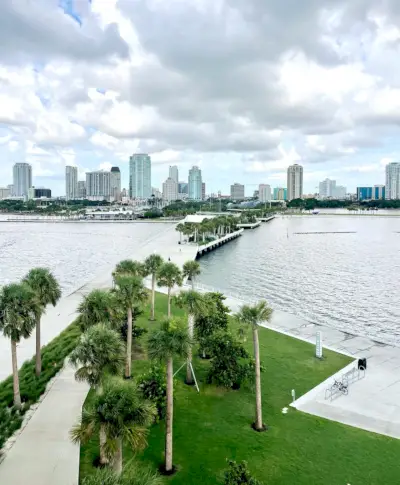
x=131 y=294
x=180 y=229
x=169 y=276
x=172 y=340
x=191 y=269
x=18 y=309
x=48 y=292
x=96 y=307
x=128 y=266
x=153 y=264
x=125 y=416
x=254 y=316
x=100 y=352
x=132 y=474
x=193 y=303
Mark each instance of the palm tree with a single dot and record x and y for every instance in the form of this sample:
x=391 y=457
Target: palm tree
x=47 y=291
x=193 y=303
x=128 y=266
x=18 y=309
x=153 y=264
x=96 y=307
x=130 y=293
x=169 y=276
x=124 y=415
x=172 y=340
x=254 y=316
x=132 y=474
x=180 y=228
x=191 y=269
x=100 y=352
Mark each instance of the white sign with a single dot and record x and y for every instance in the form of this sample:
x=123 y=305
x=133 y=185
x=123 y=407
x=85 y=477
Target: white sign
x=318 y=346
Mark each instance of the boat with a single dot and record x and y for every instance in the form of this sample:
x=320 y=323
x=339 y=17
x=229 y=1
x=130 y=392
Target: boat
x=315 y=212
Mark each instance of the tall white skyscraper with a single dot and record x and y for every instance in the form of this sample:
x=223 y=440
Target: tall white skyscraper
x=140 y=176
x=174 y=173
x=195 y=183
x=170 y=190
x=327 y=188
x=116 y=183
x=392 y=186
x=71 y=182
x=294 y=182
x=98 y=185
x=264 y=193
x=22 y=179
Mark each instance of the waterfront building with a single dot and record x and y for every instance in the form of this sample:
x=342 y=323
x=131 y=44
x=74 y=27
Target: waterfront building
x=22 y=179
x=264 y=193
x=195 y=183
x=294 y=182
x=203 y=191
x=174 y=173
x=237 y=191
x=98 y=185
x=71 y=182
x=340 y=192
x=392 y=186
x=81 y=189
x=5 y=193
x=364 y=193
x=280 y=193
x=39 y=193
x=170 y=190
x=140 y=176
x=377 y=192
x=115 y=183
x=327 y=189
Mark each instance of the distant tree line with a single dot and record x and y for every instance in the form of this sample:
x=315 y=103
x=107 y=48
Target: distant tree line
x=309 y=204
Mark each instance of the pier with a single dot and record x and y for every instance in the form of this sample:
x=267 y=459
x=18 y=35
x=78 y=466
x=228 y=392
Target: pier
x=266 y=219
x=250 y=225
x=205 y=248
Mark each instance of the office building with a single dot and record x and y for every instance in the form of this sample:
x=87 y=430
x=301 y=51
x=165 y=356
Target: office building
x=237 y=191
x=98 y=185
x=174 y=173
x=170 y=190
x=203 y=191
x=5 y=193
x=195 y=183
x=71 y=182
x=392 y=186
x=264 y=193
x=39 y=193
x=183 y=188
x=377 y=192
x=364 y=193
x=115 y=183
x=22 y=179
x=294 y=182
x=280 y=193
x=81 y=189
x=327 y=189
x=140 y=176
x=10 y=187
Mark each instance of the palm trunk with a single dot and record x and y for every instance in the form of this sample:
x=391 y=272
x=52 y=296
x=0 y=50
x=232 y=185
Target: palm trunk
x=153 y=295
x=17 y=395
x=169 y=302
x=103 y=439
x=189 y=376
x=169 y=416
x=117 y=461
x=128 y=364
x=38 y=349
x=258 y=422
x=192 y=281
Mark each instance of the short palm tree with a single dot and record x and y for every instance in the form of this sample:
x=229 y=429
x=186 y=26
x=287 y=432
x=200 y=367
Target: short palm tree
x=172 y=340
x=130 y=293
x=48 y=292
x=124 y=415
x=191 y=269
x=169 y=275
x=254 y=316
x=193 y=303
x=180 y=229
x=100 y=352
x=96 y=307
x=19 y=307
x=132 y=474
x=152 y=265
x=128 y=266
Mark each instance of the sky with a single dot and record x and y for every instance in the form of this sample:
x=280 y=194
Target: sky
x=241 y=88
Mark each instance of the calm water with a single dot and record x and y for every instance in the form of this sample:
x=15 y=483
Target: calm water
x=347 y=281
x=75 y=253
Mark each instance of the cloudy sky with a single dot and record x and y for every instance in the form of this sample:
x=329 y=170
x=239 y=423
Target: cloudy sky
x=242 y=88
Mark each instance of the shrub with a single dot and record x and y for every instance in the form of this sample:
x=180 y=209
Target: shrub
x=238 y=474
x=154 y=388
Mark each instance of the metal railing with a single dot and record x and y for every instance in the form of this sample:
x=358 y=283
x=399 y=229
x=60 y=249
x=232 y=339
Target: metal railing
x=341 y=387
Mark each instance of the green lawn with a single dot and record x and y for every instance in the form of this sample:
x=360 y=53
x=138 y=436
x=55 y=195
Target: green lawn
x=214 y=425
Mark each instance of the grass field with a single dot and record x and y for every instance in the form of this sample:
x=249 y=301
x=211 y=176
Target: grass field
x=298 y=449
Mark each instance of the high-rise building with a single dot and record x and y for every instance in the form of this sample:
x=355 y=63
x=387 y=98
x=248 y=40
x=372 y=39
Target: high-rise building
x=379 y=192
x=98 y=185
x=170 y=190
x=371 y=193
x=294 y=182
x=115 y=183
x=203 y=191
x=71 y=182
x=81 y=189
x=340 y=192
x=237 y=191
x=280 y=193
x=183 y=188
x=195 y=183
x=264 y=193
x=22 y=179
x=392 y=186
x=174 y=173
x=140 y=176
x=327 y=189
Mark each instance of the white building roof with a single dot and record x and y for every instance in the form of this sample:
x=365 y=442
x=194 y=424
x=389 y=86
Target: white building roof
x=196 y=219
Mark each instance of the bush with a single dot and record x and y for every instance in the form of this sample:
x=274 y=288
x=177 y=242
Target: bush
x=238 y=474
x=154 y=388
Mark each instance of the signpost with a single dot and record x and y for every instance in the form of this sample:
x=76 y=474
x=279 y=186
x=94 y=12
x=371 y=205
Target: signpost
x=318 y=346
